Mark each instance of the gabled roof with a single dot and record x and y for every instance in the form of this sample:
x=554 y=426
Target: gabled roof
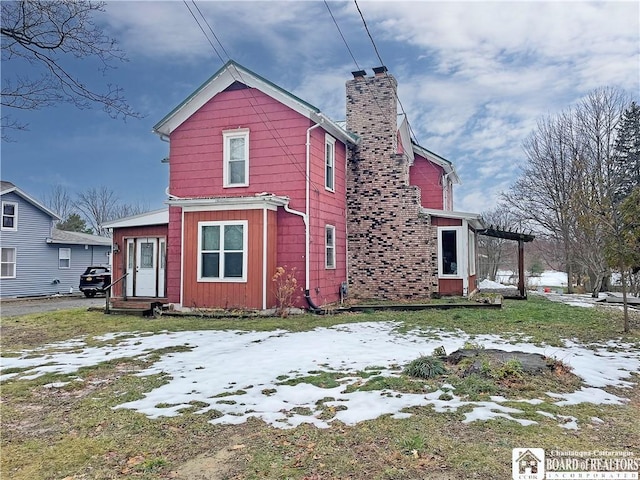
x=8 y=187
x=77 y=238
x=155 y=217
x=410 y=149
x=233 y=72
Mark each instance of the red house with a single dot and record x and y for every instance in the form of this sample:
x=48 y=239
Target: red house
x=259 y=178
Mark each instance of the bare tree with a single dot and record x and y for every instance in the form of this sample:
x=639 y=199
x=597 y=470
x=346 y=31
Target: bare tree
x=60 y=201
x=52 y=36
x=102 y=204
x=542 y=195
x=98 y=206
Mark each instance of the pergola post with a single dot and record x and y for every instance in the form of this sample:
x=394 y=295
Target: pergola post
x=521 y=267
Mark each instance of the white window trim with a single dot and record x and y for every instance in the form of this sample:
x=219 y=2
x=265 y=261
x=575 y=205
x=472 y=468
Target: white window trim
x=330 y=145
x=227 y=135
x=460 y=250
x=15 y=217
x=327 y=246
x=245 y=252
x=472 y=252
x=60 y=257
x=14 y=263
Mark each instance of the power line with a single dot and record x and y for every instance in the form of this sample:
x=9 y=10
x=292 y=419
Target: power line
x=254 y=105
x=366 y=27
x=340 y=32
x=202 y=30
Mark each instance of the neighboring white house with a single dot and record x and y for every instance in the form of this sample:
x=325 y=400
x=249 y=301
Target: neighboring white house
x=35 y=257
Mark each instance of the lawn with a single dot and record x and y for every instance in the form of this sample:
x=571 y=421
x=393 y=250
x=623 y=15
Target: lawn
x=88 y=396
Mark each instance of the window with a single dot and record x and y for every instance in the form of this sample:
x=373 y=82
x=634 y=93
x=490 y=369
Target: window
x=222 y=254
x=329 y=162
x=236 y=158
x=64 y=258
x=7 y=262
x=330 y=246
x=449 y=249
x=9 y=216
x=146 y=254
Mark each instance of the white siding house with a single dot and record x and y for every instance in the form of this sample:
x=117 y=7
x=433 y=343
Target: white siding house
x=36 y=258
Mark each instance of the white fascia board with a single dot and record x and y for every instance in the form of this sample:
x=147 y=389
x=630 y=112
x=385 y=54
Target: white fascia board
x=31 y=200
x=474 y=219
x=405 y=139
x=156 y=217
x=269 y=202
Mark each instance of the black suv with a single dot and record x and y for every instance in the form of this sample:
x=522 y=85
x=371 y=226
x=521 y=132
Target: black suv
x=94 y=280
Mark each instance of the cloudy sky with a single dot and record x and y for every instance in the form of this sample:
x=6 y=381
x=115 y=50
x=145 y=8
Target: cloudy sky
x=474 y=78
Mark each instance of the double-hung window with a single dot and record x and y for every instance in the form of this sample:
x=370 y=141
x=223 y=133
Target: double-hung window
x=330 y=246
x=64 y=258
x=222 y=251
x=329 y=162
x=236 y=158
x=7 y=262
x=9 y=216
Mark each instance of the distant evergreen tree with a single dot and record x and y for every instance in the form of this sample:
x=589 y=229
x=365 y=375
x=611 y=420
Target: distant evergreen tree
x=627 y=152
x=75 y=223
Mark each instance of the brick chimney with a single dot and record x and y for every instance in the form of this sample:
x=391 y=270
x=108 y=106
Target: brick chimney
x=392 y=246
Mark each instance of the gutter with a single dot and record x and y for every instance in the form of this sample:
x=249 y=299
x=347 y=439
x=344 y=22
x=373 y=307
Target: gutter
x=305 y=218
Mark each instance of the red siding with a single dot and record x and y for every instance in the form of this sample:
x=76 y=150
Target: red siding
x=427 y=176
x=228 y=294
x=446 y=222
x=277 y=137
x=450 y=286
x=120 y=236
x=277 y=165
x=174 y=247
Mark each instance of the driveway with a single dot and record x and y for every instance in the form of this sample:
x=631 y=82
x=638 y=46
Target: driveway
x=24 y=306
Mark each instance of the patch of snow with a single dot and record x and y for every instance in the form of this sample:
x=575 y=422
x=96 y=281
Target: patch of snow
x=247 y=368
x=487 y=284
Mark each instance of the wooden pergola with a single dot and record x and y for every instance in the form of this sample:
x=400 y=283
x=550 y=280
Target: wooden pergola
x=521 y=238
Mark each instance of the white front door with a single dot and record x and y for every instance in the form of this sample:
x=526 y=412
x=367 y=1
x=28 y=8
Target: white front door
x=146 y=274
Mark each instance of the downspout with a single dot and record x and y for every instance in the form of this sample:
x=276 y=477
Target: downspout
x=305 y=217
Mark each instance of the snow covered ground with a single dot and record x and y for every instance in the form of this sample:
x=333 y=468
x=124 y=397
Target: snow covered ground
x=548 y=278
x=240 y=374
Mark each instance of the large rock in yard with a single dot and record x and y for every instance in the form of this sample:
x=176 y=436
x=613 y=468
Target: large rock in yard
x=531 y=362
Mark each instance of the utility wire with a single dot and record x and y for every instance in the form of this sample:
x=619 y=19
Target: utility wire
x=340 y=32
x=255 y=104
x=202 y=30
x=211 y=30
x=366 y=27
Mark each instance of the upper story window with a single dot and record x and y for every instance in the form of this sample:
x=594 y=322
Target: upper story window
x=329 y=162
x=9 y=216
x=7 y=262
x=64 y=258
x=236 y=158
x=222 y=251
x=330 y=246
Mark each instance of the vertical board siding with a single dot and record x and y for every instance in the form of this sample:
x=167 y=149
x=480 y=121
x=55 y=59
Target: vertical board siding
x=428 y=177
x=450 y=286
x=37 y=271
x=226 y=295
x=120 y=236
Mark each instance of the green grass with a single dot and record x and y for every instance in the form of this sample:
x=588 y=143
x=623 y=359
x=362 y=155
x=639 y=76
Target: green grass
x=75 y=432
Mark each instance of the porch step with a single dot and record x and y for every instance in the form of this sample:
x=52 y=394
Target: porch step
x=136 y=306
